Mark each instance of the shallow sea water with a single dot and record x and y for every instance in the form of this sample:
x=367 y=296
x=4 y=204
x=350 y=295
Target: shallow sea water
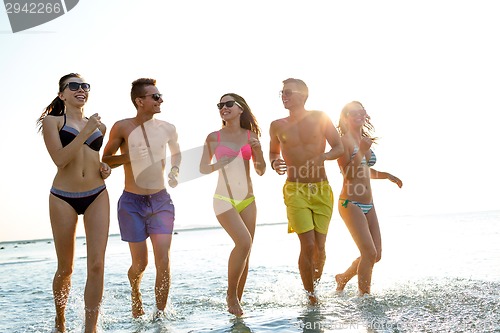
x=438 y=274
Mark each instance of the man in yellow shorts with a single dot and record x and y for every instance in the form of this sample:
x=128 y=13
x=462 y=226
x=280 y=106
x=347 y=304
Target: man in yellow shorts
x=297 y=148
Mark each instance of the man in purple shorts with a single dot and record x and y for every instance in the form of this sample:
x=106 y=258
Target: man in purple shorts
x=145 y=208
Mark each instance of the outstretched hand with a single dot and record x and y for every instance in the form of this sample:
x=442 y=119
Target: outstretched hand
x=395 y=180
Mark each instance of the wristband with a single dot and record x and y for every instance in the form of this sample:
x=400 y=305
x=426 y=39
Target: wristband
x=272 y=164
x=175 y=170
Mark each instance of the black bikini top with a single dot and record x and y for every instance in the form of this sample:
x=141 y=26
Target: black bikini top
x=68 y=134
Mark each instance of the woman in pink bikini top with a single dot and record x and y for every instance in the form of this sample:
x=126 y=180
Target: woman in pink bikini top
x=233 y=146
x=222 y=151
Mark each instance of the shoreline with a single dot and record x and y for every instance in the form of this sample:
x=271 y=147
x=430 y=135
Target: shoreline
x=194 y=227
x=176 y=231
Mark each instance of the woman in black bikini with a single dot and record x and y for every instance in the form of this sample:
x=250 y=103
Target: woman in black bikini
x=355 y=201
x=73 y=142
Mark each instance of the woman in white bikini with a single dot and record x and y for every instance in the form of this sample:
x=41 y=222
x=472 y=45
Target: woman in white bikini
x=355 y=201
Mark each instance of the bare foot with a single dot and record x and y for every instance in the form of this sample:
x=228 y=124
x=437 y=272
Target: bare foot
x=313 y=299
x=137 y=309
x=363 y=294
x=159 y=315
x=234 y=307
x=341 y=282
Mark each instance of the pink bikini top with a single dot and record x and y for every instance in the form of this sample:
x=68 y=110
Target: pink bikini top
x=221 y=151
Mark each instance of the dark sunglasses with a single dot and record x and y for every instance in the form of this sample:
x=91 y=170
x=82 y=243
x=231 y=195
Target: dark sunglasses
x=74 y=86
x=228 y=104
x=156 y=96
x=357 y=113
x=288 y=92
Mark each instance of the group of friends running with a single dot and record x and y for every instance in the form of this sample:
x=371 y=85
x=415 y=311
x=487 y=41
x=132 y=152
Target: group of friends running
x=145 y=209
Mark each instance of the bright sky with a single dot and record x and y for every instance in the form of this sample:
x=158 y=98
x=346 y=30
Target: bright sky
x=427 y=72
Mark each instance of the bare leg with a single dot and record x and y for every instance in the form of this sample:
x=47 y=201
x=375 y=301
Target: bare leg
x=63 y=220
x=161 y=247
x=319 y=256
x=139 y=253
x=375 y=232
x=232 y=222
x=61 y=286
x=242 y=281
x=96 y=221
x=372 y=251
x=345 y=277
x=365 y=269
x=306 y=266
x=357 y=224
x=249 y=217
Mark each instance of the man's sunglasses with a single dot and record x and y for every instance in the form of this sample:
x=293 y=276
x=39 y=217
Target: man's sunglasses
x=228 y=104
x=156 y=96
x=288 y=92
x=74 y=86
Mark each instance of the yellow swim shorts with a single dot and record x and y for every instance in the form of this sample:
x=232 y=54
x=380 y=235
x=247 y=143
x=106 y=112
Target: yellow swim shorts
x=309 y=206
